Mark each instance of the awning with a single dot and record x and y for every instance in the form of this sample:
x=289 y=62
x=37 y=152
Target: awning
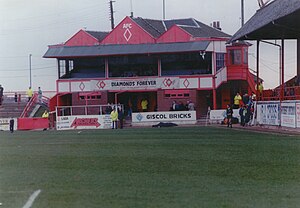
x=109 y=50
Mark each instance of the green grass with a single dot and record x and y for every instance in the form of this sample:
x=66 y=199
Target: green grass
x=161 y=167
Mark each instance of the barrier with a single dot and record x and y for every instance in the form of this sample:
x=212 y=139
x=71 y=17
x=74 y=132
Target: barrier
x=4 y=124
x=151 y=118
x=217 y=116
x=32 y=123
x=273 y=113
x=83 y=122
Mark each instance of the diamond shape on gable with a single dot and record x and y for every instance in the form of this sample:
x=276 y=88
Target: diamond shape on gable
x=186 y=83
x=101 y=84
x=127 y=34
x=81 y=86
x=167 y=82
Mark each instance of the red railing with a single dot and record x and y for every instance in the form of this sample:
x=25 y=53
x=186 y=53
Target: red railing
x=290 y=93
x=32 y=102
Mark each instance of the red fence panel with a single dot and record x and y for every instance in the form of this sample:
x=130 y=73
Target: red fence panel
x=32 y=123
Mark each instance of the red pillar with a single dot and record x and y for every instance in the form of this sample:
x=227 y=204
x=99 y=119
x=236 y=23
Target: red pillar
x=215 y=98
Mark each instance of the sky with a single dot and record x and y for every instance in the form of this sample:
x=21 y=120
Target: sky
x=28 y=27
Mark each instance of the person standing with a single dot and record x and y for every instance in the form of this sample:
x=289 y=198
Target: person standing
x=144 y=105
x=229 y=113
x=46 y=116
x=120 y=117
x=29 y=93
x=237 y=100
x=191 y=106
x=114 y=118
x=11 y=125
x=40 y=95
x=1 y=94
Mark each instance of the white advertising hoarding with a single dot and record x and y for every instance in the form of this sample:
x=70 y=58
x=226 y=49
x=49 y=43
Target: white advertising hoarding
x=268 y=114
x=83 y=122
x=298 y=114
x=187 y=117
x=4 y=124
x=288 y=112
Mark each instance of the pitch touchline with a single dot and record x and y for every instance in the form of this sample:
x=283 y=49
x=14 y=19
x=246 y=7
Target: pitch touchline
x=32 y=198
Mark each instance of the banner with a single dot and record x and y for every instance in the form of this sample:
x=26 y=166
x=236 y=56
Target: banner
x=170 y=116
x=298 y=114
x=4 y=124
x=135 y=84
x=83 y=122
x=288 y=112
x=219 y=115
x=268 y=114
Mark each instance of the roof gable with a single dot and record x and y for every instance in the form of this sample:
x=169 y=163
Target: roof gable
x=128 y=32
x=82 y=38
x=175 y=34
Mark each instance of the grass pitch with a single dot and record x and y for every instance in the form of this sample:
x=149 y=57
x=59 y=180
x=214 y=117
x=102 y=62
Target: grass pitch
x=163 y=167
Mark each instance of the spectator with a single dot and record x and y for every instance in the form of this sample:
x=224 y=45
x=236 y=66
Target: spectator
x=108 y=109
x=144 y=105
x=120 y=117
x=245 y=98
x=236 y=101
x=40 y=95
x=174 y=106
x=114 y=118
x=29 y=93
x=46 y=116
x=191 y=106
x=229 y=113
x=1 y=94
x=11 y=125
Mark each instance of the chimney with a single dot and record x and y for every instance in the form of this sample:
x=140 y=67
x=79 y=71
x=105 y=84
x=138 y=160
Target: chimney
x=216 y=25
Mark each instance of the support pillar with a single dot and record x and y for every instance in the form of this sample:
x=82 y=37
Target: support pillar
x=298 y=61
x=282 y=71
x=214 y=99
x=257 y=70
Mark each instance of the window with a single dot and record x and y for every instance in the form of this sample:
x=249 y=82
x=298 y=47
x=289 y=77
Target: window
x=133 y=66
x=193 y=63
x=235 y=57
x=65 y=67
x=177 y=93
x=90 y=96
x=88 y=68
x=220 y=60
x=245 y=55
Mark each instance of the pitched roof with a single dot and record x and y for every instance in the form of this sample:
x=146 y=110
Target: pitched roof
x=185 y=22
x=204 y=32
x=279 y=19
x=153 y=27
x=192 y=26
x=97 y=34
x=106 y=50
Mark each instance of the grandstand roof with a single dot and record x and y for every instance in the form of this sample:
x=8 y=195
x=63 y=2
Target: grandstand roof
x=106 y=50
x=279 y=19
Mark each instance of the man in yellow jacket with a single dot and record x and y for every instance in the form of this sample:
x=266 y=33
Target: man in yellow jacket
x=45 y=114
x=236 y=101
x=29 y=93
x=144 y=104
x=114 y=118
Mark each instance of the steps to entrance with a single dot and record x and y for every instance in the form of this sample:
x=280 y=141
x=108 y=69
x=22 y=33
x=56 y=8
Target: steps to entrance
x=10 y=108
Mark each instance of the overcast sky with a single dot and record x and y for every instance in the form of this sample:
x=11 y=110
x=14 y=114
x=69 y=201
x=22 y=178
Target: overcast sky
x=28 y=27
